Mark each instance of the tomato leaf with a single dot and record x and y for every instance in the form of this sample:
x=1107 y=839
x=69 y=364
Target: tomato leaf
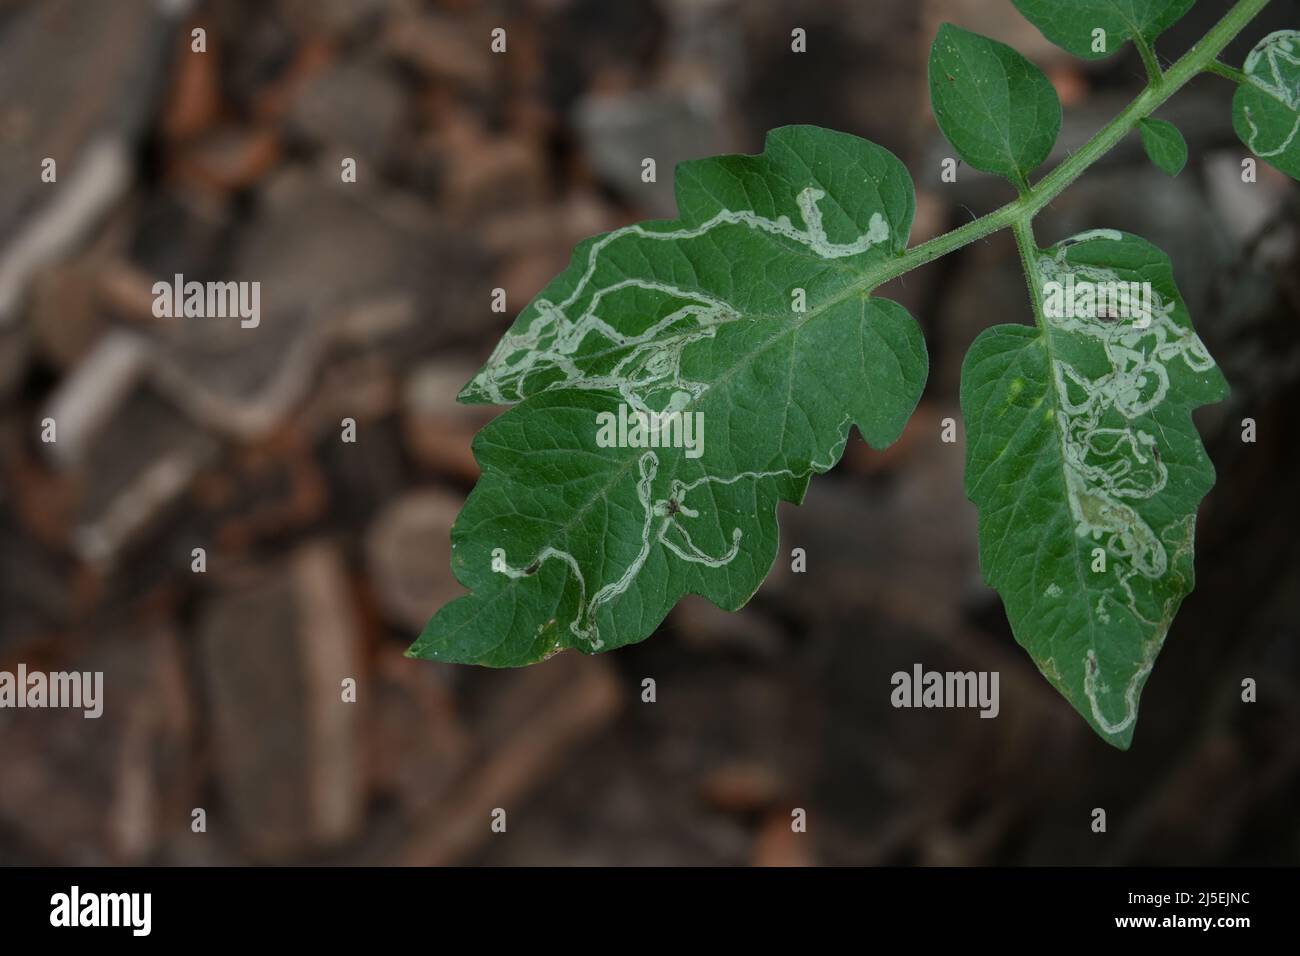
x=745 y=322
x=997 y=109
x=1093 y=29
x=1087 y=470
x=1164 y=145
x=1266 y=108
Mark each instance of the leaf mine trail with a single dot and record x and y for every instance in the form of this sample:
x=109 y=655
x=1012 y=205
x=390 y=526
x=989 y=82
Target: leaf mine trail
x=553 y=339
x=753 y=317
x=750 y=312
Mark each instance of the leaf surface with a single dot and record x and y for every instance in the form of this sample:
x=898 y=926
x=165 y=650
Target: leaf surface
x=749 y=313
x=1266 y=109
x=999 y=111
x=1164 y=145
x=1087 y=471
x=1070 y=24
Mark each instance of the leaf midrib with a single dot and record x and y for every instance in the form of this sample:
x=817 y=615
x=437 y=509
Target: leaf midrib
x=1045 y=337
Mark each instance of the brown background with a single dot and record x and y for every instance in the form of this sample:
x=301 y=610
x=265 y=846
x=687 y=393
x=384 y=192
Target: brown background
x=324 y=558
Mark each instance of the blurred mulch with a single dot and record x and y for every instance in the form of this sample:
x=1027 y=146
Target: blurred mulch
x=228 y=687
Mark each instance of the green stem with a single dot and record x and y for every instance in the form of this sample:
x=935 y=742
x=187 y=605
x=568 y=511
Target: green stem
x=1227 y=72
x=1193 y=62
x=1028 y=248
x=1154 y=74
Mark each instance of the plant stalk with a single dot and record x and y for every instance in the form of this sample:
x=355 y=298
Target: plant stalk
x=1219 y=68
x=1028 y=249
x=1154 y=73
x=1195 y=61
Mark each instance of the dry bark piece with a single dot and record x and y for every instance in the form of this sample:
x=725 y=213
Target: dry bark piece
x=276 y=645
x=418 y=743
x=441 y=47
x=88 y=398
x=137 y=465
x=228 y=159
x=266 y=491
x=778 y=844
x=328 y=260
x=439 y=430
x=194 y=100
x=565 y=700
x=408 y=555
x=64 y=313
x=76 y=81
x=619 y=130
x=742 y=787
x=353 y=108
x=110 y=789
x=15 y=347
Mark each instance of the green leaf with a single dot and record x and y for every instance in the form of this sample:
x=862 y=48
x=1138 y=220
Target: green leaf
x=996 y=108
x=746 y=315
x=1164 y=144
x=1081 y=443
x=1266 y=109
x=1072 y=24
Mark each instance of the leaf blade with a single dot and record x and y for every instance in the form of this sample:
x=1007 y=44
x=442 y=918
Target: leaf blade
x=1164 y=145
x=1266 y=109
x=1080 y=437
x=998 y=110
x=567 y=543
x=1070 y=23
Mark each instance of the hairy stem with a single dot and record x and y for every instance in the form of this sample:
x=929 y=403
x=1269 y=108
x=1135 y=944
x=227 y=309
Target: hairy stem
x=1154 y=73
x=1028 y=248
x=1227 y=72
x=1195 y=61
